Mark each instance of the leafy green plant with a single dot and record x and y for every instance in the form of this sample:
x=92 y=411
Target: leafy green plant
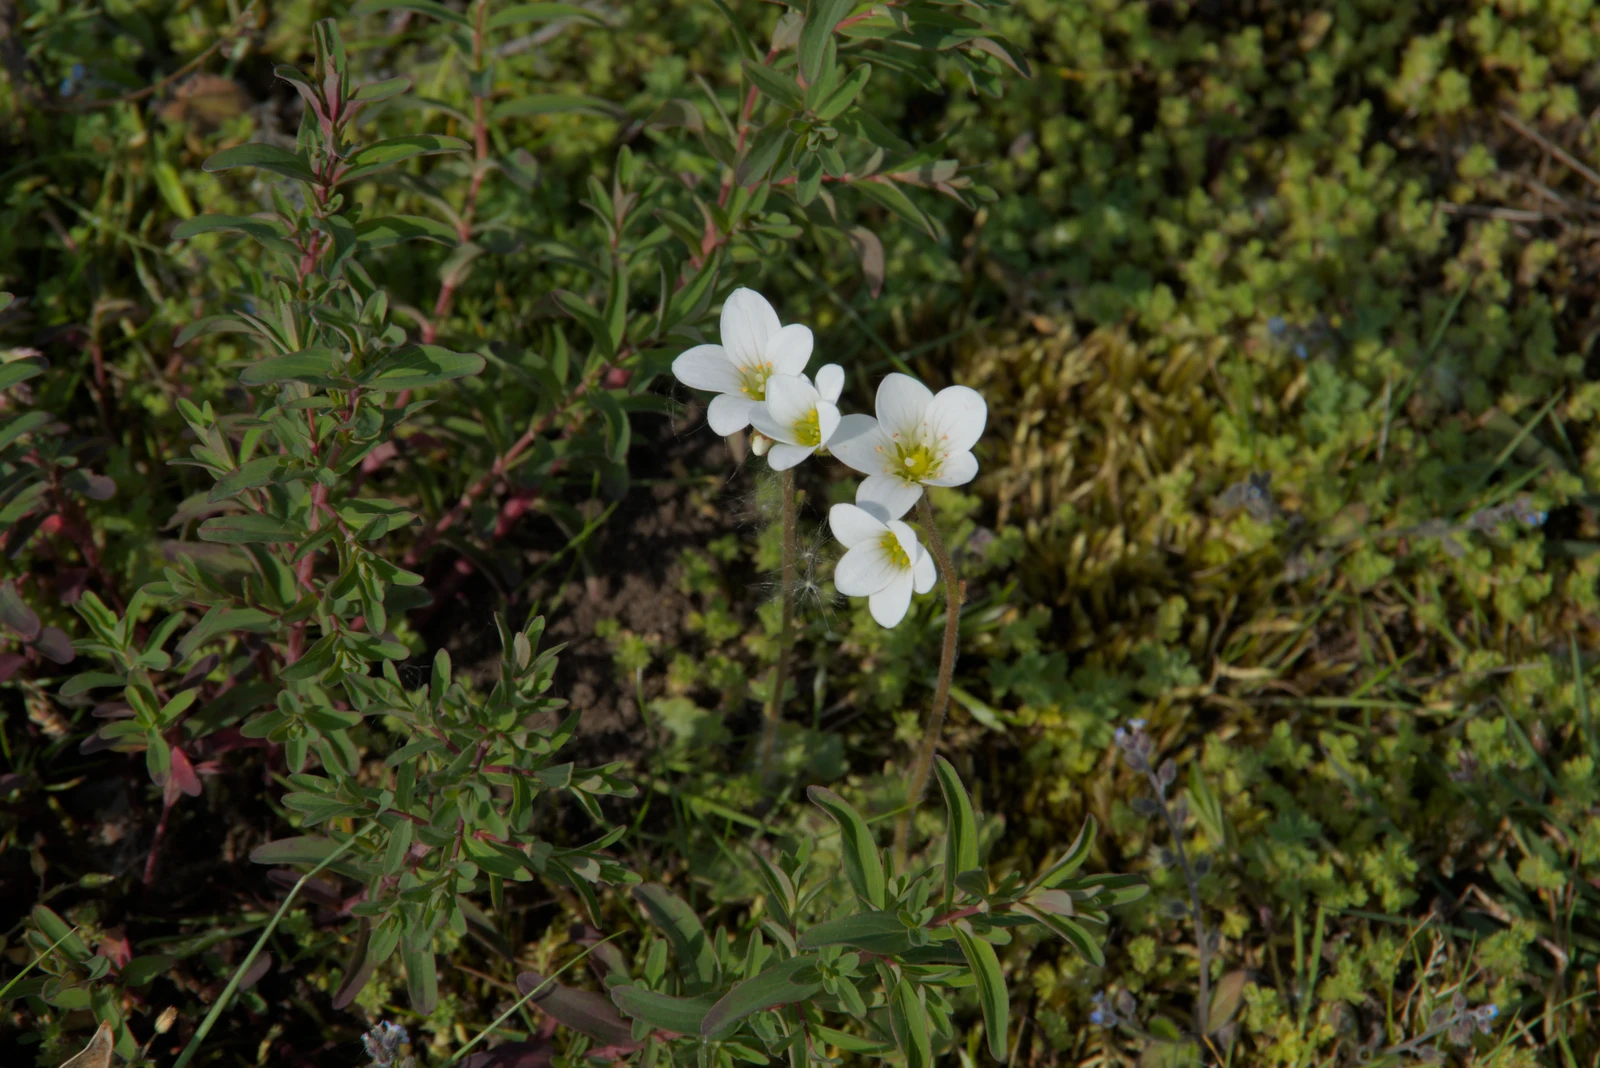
x=881 y=977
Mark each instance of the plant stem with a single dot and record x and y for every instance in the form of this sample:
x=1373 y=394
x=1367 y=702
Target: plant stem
x=780 y=672
x=954 y=593
x=1202 y=943
x=238 y=973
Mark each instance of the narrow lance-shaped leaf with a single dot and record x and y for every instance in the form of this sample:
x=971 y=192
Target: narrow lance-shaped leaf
x=680 y=1015
x=862 y=864
x=822 y=17
x=908 y=1019
x=785 y=983
x=992 y=995
x=961 y=837
x=264 y=156
x=696 y=957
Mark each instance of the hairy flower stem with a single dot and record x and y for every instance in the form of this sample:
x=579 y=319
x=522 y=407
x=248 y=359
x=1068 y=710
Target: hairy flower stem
x=780 y=672
x=954 y=593
x=1202 y=1009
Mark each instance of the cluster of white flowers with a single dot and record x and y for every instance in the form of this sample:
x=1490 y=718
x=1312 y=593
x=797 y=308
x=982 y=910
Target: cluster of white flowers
x=918 y=438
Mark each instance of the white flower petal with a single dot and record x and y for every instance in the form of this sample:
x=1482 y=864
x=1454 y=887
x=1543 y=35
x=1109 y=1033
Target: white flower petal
x=729 y=413
x=864 y=570
x=747 y=322
x=858 y=443
x=924 y=573
x=955 y=419
x=891 y=496
x=907 y=539
x=889 y=604
x=761 y=419
x=827 y=419
x=851 y=525
x=783 y=455
x=789 y=349
x=955 y=470
x=830 y=381
x=902 y=400
x=790 y=398
x=706 y=367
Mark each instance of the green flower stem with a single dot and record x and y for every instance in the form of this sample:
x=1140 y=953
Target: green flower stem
x=244 y=966
x=954 y=593
x=780 y=672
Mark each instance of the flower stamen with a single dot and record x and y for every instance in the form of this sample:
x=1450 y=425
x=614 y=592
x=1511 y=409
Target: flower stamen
x=894 y=551
x=808 y=429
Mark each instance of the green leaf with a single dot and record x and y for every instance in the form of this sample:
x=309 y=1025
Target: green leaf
x=1073 y=859
x=315 y=366
x=269 y=233
x=992 y=995
x=618 y=429
x=581 y=1010
x=775 y=86
x=377 y=92
x=389 y=230
x=1071 y=932
x=785 y=983
x=223 y=620
x=697 y=959
x=59 y=932
x=822 y=16
x=253 y=473
x=417 y=366
x=264 y=156
x=557 y=104
x=763 y=153
x=513 y=16
x=422 y=7
x=862 y=864
x=26 y=423
x=872 y=932
x=90 y=680
x=140 y=970
x=422 y=978
x=888 y=194
x=961 y=837
x=246 y=529
x=19 y=371
x=909 y=1021
x=380 y=154
x=842 y=97
x=214 y=324
x=682 y=1016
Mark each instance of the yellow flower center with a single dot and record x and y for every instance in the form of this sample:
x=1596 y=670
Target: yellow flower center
x=753 y=381
x=808 y=429
x=915 y=463
x=894 y=550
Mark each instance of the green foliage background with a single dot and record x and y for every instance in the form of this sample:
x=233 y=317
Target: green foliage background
x=1349 y=246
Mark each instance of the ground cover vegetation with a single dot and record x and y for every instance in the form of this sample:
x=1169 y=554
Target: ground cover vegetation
x=711 y=532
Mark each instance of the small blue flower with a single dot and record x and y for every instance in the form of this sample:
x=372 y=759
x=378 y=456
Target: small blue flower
x=1276 y=326
x=1097 y=1017
x=1301 y=351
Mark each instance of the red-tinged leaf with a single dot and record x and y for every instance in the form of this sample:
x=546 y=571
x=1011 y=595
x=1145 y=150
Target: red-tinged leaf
x=183 y=772
x=14 y=613
x=54 y=645
x=582 y=1010
x=10 y=663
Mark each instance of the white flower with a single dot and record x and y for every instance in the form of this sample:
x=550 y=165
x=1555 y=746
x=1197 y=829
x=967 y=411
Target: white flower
x=754 y=348
x=797 y=416
x=883 y=562
x=918 y=439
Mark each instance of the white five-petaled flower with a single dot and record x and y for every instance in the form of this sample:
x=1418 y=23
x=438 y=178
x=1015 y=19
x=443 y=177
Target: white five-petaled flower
x=754 y=348
x=799 y=417
x=918 y=439
x=883 y=562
